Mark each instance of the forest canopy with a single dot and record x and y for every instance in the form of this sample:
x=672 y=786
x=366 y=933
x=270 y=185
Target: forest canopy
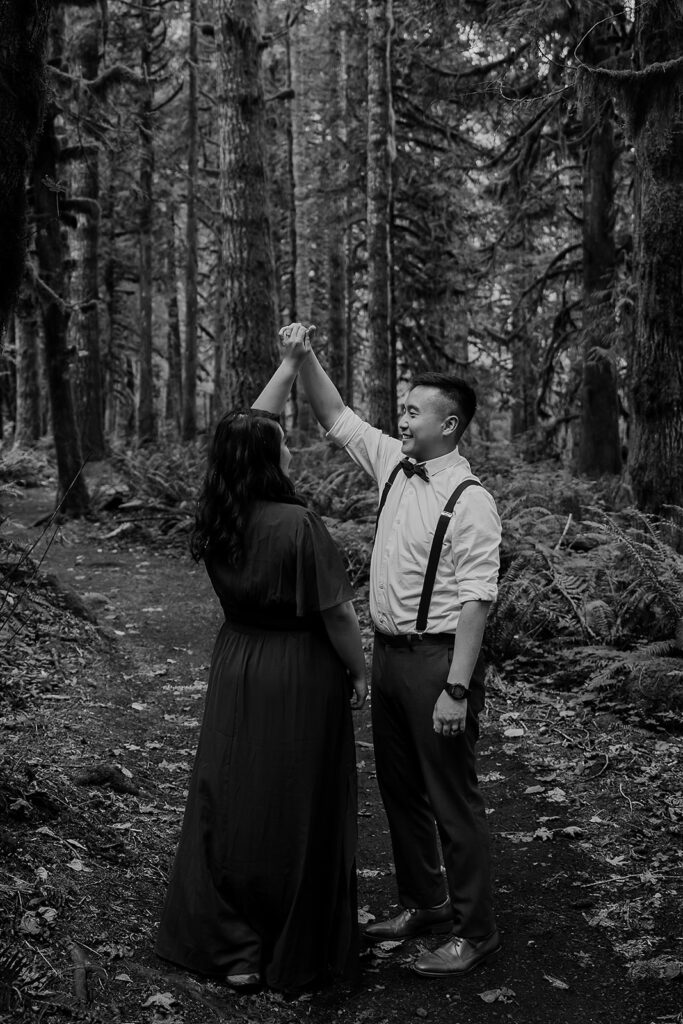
x=492 y=189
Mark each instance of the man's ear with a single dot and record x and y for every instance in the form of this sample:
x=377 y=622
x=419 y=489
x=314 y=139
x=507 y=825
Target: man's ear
x=450 y=425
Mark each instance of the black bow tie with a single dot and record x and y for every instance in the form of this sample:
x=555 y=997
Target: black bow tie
x=412 y=468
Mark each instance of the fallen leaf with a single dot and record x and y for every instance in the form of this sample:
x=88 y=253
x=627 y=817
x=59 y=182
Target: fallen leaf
x=139 y=706
x=364 y=916
x=500 y=995
x=30 y=924
x=513 y=732
x=543 y=834
x=386 y=948
x=77 y=865
x=555 y=982
x=533 y=789
x=162 y=999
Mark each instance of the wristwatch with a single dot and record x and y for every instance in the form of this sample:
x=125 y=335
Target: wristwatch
x=457 y=691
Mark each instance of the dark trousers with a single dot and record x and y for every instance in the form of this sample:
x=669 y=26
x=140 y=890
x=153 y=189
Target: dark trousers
x=429 y=784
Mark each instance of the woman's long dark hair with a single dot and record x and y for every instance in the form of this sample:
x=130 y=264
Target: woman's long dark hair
x=244 y=467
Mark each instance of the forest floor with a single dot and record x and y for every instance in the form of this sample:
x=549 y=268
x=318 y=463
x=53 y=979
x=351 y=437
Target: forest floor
x=99 y=716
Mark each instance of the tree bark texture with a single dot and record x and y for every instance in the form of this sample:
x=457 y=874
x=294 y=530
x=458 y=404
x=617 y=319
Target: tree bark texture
x=23 y=35
x=303 y=231
x=248 y=265
x=52 y=254
x=220 y=346
x=599 y=446
x=146 y=412
x=92 y=398
x=656 y=365
x=380 y=156
x=190 y=374
x=174 y=383
x=28 y=420
x=339 y=353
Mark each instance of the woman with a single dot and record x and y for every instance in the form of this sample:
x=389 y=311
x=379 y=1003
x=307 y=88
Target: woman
x=263 y=885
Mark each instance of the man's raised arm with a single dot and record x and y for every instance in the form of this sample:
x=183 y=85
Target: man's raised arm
x=326 y=402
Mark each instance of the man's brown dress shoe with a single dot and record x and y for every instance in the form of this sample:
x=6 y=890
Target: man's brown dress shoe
x=412 y=921
x=458 y=956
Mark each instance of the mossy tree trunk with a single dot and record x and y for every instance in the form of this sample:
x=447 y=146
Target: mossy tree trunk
x=247 y=256
x=380 y=156
x=23 y=35
x=656 y=364
x=599 y=449
x=146 y=425
x=92 y=399
x=28 y=422
x=52 y=256
x=190 y=369
x=339 y=350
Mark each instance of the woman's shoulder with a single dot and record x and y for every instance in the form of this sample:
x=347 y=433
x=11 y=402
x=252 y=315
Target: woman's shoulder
x=285 y=512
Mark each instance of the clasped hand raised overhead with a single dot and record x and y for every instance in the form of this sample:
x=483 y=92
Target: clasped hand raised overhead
x=295 y=341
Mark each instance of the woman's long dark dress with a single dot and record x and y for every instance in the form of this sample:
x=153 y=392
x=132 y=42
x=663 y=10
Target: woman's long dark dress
x=264 y=875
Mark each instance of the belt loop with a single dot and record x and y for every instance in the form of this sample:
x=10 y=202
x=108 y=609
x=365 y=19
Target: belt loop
x=409 y=640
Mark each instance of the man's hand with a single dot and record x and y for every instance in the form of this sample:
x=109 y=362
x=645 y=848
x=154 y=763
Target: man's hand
x=295 y=343
x=450 y=716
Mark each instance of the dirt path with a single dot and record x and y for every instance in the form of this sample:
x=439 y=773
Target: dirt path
x=90 y=864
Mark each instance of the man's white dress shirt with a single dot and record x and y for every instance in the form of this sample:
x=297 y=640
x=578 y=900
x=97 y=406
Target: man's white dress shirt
x=469 y=563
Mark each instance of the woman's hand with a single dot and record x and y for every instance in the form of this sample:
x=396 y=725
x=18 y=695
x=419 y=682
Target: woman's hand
x=295 y=342
x=360 y=691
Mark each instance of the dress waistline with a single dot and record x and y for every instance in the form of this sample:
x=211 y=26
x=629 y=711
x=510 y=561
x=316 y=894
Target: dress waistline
x=290 y=624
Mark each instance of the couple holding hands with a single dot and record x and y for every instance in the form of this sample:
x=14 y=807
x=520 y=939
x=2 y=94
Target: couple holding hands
x=263 y=888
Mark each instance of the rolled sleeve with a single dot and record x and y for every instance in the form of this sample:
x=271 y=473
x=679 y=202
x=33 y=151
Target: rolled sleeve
x=369 y=448
x=476 y=546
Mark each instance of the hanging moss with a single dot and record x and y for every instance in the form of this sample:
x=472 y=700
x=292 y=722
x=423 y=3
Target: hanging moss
x=23 y=32
x=643 y=96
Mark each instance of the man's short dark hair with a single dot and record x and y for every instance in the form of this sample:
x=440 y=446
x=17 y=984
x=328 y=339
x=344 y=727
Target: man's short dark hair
x=455 y=390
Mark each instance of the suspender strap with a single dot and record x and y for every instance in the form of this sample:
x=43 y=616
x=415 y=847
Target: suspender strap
x=387 y=487
x=435 y=553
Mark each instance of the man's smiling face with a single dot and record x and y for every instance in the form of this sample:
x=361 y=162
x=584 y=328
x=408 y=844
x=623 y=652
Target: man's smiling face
x=427 y=428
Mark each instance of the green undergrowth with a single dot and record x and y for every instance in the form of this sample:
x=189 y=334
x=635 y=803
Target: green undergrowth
x=591 y=589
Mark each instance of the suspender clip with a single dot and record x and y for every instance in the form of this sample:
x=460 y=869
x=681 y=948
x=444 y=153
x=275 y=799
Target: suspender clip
x=449 y=515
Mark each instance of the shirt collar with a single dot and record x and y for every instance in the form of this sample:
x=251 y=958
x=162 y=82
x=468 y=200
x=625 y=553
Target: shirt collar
x=447 y=461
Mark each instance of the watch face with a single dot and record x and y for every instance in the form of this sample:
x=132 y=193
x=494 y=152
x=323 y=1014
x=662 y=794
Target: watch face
x=457 y=691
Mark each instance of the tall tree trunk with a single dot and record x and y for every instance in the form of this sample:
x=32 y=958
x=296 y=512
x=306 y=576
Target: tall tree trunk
x=146 y=415
x=92 y=402
x=380 y=156
x=249 y=272
x=220 y=340
x=190 y=375
x=174 y=385
x=51 y=254
x=112 y=361
x=27 y=425
x=336 y=201
x=599 y=448
x=23 y=35
x=299 y=218
x=656 y=365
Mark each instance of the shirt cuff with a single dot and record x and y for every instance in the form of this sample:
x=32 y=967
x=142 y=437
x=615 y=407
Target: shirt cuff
x=471 y=590
x=345 y=427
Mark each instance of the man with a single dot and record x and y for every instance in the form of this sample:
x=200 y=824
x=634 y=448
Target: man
x=427 y=673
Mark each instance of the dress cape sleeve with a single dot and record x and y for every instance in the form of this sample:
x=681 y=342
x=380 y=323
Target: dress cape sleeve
x=321 y=580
